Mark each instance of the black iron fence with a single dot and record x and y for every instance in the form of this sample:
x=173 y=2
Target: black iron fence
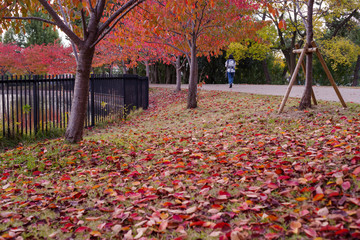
x=41 y=103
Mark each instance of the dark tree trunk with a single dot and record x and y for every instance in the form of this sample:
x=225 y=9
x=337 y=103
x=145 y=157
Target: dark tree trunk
x=178 y=74
x=306 y=98
x=193 y=79
x=266 y=71
x=147 y=68
x=167 y=74
x=356 y=72
x=74 y=131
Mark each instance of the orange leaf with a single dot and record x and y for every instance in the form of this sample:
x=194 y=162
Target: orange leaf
x=282 y=24
x=318 y=197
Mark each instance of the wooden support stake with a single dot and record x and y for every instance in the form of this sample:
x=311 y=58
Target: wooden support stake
x=328 y=73
x=293 y=78
x=309 y=50
x=304 y=69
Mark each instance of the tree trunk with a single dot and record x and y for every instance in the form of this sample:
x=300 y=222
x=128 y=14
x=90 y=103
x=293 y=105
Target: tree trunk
x=167 y=74
x=74 y=131
x=306 y=98
x=147 y=68
x=356 y=72
x=266 y=71
x=178 y=74
x=156 y=73
x=193 y=79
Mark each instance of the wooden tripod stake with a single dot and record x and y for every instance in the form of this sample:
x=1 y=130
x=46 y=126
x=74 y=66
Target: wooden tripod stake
x=296 y=71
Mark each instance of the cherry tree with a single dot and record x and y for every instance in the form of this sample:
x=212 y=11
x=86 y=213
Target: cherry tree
x=199 y=28
x=86 y=24
x=9 y=57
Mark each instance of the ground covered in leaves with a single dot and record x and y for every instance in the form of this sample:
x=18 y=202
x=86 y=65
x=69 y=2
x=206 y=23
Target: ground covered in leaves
x=231 y=169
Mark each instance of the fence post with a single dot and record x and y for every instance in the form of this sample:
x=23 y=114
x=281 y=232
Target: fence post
x=92 y=100
x=3 y=103
x=146 y=93
x=35 y=103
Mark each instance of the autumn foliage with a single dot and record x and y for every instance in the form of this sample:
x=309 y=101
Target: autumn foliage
x=37 y=59
x=231 y=169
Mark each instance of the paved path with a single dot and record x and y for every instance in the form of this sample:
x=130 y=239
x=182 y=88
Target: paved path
x=349 y=94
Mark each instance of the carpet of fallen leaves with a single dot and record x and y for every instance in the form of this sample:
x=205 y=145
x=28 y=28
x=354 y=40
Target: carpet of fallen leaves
x=230 y=169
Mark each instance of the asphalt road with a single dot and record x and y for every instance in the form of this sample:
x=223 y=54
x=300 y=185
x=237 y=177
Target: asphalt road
x=349 y=94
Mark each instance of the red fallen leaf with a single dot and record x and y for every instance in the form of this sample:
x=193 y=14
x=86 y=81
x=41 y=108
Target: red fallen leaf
x=284 y=177
x=65 y=178
x=67 y=227
x=179 y=238
x=277 y=228
x=36 y=173
x=342 y=231
x=217 y=206
x=225 y=227
x=272 y=235
x=273 y=186
x=355 y=235
x=198 y=223
x=167 y=204
x=279 y=171
x=334 y=194
x=224 y=193
x=163 y=225
x=346 y=185
x=83 y=229
x=356 y=171
x=310 y=232
x=177 y=218
x=318 y=197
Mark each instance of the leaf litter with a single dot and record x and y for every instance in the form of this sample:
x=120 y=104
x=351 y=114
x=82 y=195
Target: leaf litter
x=230 y=169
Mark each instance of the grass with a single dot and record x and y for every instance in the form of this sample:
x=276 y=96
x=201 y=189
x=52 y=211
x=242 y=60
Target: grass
x=231 y=166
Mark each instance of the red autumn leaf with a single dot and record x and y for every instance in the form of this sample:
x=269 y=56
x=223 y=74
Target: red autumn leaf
x=356 y=172
x=272 y=236
x=342 y=231
x=310 y=232
x=83 y=229
x=318 y=197
x=345 y=185
x=65 y=178
x=277 y=228
x=282 y=24
x=36 y=173
x=223 y=193
x=198 y=223
x=225 y=227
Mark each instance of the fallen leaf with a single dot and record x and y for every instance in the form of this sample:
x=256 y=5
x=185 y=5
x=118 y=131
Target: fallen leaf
x=295 y=226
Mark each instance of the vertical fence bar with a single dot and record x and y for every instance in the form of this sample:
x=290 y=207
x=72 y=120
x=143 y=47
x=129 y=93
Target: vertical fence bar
x=42 y=111
x=3 y=104
x=22 y=107
x=39 y=103
x=36 y=104
x=8 y=107
x=12 y=109
x=26 y=106
x=17 y=118
x=92 y=100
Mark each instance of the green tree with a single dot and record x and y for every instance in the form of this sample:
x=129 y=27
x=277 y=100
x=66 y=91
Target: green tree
x=10 y=37
x=37 y=33
x=34 y=33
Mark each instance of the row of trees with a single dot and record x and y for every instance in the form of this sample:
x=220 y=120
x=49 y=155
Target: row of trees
x=180 y=33
x=36 y=59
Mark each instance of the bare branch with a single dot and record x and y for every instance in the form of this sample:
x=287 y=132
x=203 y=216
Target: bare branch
x=31 y=18
x=120 y=12
x=103 y=32
x=60 y=23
